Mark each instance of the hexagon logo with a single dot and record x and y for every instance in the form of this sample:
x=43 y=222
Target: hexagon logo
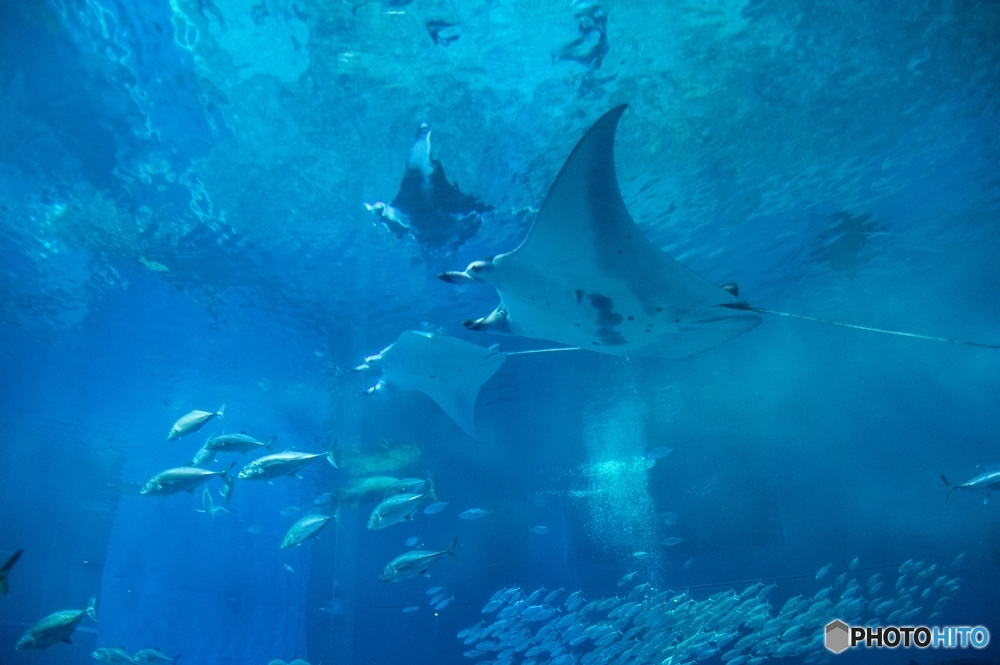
x=837 y=637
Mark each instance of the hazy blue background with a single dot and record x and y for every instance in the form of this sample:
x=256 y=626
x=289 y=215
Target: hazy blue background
x=182 y=225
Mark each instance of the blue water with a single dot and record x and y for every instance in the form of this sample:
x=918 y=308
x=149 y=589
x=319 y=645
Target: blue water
x=182 y=225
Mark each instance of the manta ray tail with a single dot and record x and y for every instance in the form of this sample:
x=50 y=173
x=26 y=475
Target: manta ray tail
x=853 y=326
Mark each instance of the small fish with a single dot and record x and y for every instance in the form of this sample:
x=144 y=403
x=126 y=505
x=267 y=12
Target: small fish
x=553 y=595
x=436 y=507
x=153 y=656
x=540 y=530
x=193 y=421
x=658 y=453
x=411 y=608
x=308 y=527
x=323 y=498
x=474 y=514
x=182 y=479
x=288 y=463
x=207 y=505
x=669 y=518
x=236 y=443
x=5 y=570
x=444 y=603
x=853 y=564
x=413 y=541
x=289 y=568
x=436 y=599
x=415 y=563
x=254 y=528
x=434 y=590
x=672 y=540
x=640 y=554
x=113 y=655
x=395 y=509
x=203 y=456
x=290 y=510
x=687 y=564
x=821 y=573
x=625 y=579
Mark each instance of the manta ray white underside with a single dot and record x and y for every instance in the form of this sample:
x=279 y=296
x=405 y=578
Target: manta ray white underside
x=586 y=275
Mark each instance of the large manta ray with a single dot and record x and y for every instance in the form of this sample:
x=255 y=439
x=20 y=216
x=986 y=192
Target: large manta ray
x=586 y=276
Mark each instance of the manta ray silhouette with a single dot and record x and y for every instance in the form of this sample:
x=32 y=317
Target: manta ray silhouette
x=586 y=276
x=430 y=208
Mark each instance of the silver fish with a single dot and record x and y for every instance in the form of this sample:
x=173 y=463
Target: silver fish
x=306 y=528
x=153 y=656
x=474 y=514
x=288 y=463
x=203 y=457
x=182 y=479
x=984 y=483
x=435 y=507
x=541 y=529
x=415 y=563
x=113 y=655
x=395 y=509
x=207 y=505
x=413 y=486
x=193 y=421
x=54 y=628
x=236 y=443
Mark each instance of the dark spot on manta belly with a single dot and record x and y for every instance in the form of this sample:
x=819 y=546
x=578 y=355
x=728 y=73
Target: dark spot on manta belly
x=579 y=296
x=607 y=319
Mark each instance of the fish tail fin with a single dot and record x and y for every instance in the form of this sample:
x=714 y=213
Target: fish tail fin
x=176 y=657
x=221 y=413
x=92 y=609
x=433 y=490
x=271 y=442
x=951 y=488
x=331 y=453
x=451 y=550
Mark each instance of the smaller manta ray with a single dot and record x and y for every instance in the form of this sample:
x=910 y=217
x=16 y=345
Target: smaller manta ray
x=984 y=483
x=448 y=370
x=429 y=207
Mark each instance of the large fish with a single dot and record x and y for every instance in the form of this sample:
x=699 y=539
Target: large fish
x=183 y=479
x=193 y=421
x=306 y=528
x=288 y=463
x=415 y=563
x=54 y=628
x=5 y=570
x=236 y=443
x=395 y=509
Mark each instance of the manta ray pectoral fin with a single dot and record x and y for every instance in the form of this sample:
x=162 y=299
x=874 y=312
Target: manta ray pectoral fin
x=496 y=322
